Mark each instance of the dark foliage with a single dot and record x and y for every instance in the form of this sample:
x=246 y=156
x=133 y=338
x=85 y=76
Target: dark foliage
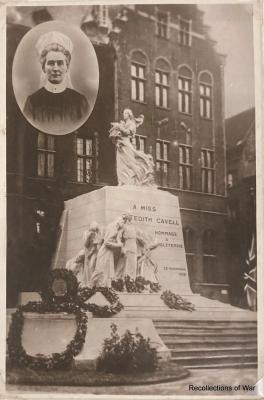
x=127 y=354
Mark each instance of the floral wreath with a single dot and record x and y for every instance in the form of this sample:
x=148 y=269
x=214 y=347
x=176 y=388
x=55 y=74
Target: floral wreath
x=18 y=355
x=176 y=302
x=66 y=277
x=137 y=285
x=115 y=306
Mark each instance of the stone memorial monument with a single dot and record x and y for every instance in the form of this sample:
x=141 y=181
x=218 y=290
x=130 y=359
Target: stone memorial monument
x=141 y=235
x=154 y=212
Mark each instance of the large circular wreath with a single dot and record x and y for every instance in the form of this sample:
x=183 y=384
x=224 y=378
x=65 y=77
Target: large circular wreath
x=16 y=352
x=64 y=278
x=115 y=306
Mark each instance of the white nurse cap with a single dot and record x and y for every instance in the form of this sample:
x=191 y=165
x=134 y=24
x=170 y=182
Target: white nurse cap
x=53 y=37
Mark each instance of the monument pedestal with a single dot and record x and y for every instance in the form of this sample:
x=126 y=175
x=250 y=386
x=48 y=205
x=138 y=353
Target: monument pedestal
x=154 y=211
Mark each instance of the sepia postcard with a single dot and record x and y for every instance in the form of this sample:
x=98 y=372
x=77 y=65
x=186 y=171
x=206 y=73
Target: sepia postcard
x=131 y=199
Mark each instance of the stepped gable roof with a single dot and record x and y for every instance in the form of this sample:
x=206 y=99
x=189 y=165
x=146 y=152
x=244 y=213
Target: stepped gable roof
x=238 y=127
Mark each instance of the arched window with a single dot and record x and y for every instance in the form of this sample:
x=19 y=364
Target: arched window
x=185 y=90
x=138 y=76
x=206 y=95
x=162 y=83
x=209 y=256
x=190 y=250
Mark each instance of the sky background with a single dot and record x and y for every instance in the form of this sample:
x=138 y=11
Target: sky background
x=232 y=28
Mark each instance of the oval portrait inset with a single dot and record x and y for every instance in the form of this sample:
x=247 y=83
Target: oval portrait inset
x=55 y=77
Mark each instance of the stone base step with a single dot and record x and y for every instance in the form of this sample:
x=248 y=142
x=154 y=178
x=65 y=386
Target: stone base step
x=231 y=365
x=184 y=316
x=152 y=302
x=206 y=336
x=167 y=324
x=150 y=305
x=189 y=330
x=185 y=361
x=221 y=351
x=192 y=316
x=209 y=344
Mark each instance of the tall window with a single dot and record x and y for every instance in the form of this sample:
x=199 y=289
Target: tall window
x=189 y=244
x=138 y=82
x=162 y=89
x=162 y=24
x=162 y=162
x=87 y=152
x=46 y=155
x=206 y=96
x=185 y=167
x=141 y=143
x=209 y=257
x=185 y=90
x=184 y=32
x=208 y=170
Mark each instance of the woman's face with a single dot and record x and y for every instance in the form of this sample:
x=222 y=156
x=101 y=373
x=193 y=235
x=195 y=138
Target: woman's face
x=120 y=223
x=55 y=67
x=126 y=115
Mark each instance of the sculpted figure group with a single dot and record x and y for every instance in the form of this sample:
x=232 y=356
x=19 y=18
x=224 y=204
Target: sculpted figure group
x=122 y=251
x=133 y=167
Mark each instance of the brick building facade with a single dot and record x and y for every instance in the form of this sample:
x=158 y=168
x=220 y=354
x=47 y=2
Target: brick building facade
x=159 y=61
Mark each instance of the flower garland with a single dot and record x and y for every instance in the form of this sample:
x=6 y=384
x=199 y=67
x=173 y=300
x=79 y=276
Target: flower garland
x=139 y=285
x=115 y=306
x=175 y=301
x=63 y=360
x=131 y=285
x=48 y=294
x=155 y=287
x=118 y=285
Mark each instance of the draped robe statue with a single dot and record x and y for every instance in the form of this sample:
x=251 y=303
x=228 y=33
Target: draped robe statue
x=104 y=271
x=134 y=167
